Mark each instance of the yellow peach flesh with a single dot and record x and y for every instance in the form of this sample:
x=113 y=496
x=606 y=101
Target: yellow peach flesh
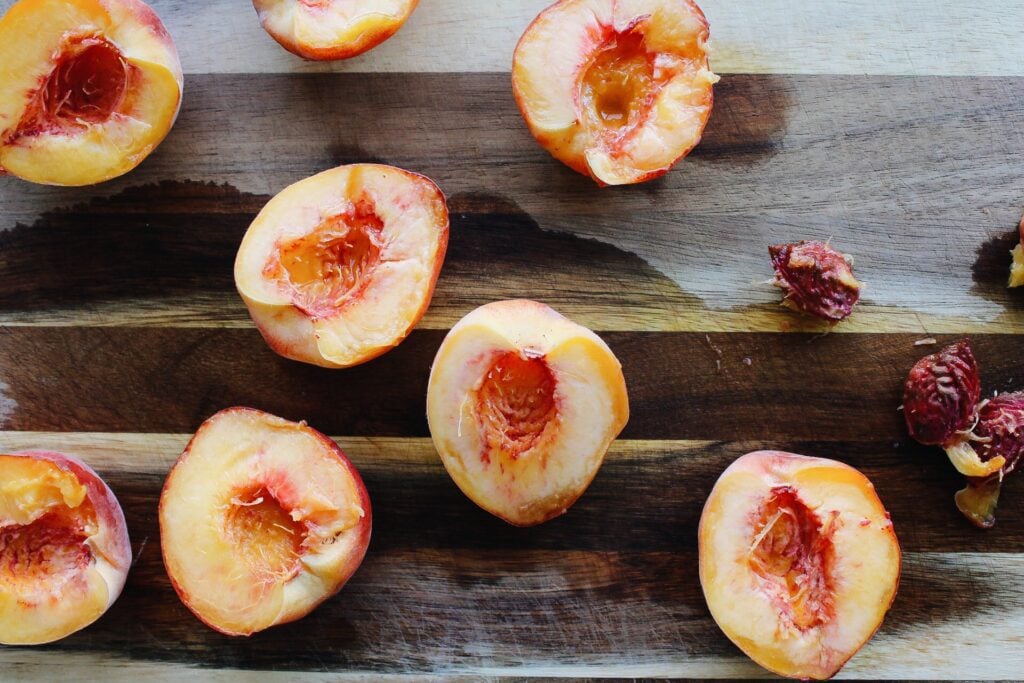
x=798 y=561
x=522 y=405
x=61 y=568
x=332 y=29
x=338 y=268
x=616 y=89
x=87 y=89
x=261 y=520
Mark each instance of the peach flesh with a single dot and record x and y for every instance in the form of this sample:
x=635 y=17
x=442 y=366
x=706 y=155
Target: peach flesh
x=86 y=86
x=522 y=405
x=40 y=557
x=328 y=266
x=515 y=404
x=792 y=554
x=265 y=535
x=799 y=562
x=617 y=88
x=261 y=520
x=64 y=548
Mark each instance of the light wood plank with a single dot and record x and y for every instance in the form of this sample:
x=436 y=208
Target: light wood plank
x=911 y=37
x=920 y=179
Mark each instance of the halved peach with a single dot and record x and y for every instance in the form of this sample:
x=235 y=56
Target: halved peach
x=619 y=90
x=261 y=520
x=798 y=560
x=522 y=406
x=1017 y=268
x=332 y=29
x=88 y=88
x=64 y=550
x=338 y=268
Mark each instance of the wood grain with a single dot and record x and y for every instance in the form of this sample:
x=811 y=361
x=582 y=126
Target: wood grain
x=417 y=507
x=919 y=178
x=120 y=332
x=448 y=589
x=169 y=380
x=915 y=37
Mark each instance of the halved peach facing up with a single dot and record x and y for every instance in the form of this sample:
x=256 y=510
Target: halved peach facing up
x=619 y=90
x=338 y=268
x=64 y=551
x=522 y=405
x=261 y=520
x=1017 y=267
x=332 y=29
x=88 y=88
x=798 y=561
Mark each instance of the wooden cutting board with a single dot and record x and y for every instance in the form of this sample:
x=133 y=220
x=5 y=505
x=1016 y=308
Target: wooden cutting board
x=120 y=332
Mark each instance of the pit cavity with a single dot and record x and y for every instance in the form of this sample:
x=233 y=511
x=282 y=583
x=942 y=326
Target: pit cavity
x=619 y=84
x=264 y=534
x=37 y=560
x=88 y=83
x=516 y=405
x=792 y=553
x=325 y=268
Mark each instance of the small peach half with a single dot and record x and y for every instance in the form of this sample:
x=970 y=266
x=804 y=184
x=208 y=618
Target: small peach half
x=88 y=88
x=261 y=520
x=64 y=550
x=332 y=29
x=619 y=90
x=798 y=560
x=522 y=405
x=1017 y=267
x=338 y=268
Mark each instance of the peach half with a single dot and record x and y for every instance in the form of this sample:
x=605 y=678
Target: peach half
x=338 y=268
x=522 y=405
x=64 y=550
x=261 y=520
x=1017 y=267
x=332 y=29
x=798 y=560
x=88 y=88
x=619 y=90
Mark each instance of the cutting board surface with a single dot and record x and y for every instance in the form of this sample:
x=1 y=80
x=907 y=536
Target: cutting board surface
x=120 y=332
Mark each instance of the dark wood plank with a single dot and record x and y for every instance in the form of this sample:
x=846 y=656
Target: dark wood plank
x=682 y=385
x=164 y=254
x=426 y=611
x=653 y=491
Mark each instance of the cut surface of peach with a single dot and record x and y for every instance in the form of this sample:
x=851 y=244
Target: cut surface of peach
x=1017 y=267
x=338 y=268
x=619 y=90
x=64 y=550
x=332 y=29
x=522 y=405
x=798 y=560
x=88 y=88
x=261 y=520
